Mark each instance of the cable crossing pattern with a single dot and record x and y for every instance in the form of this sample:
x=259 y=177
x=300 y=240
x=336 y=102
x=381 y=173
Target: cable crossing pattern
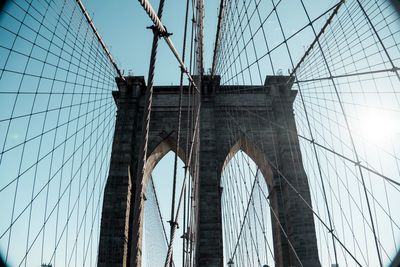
x=345 y=76
x=57 y=122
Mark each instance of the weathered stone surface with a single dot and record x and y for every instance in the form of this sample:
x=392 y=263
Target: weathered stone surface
x=225 y=128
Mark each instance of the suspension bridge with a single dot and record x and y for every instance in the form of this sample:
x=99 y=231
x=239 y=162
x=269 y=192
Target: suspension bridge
x=278 y=144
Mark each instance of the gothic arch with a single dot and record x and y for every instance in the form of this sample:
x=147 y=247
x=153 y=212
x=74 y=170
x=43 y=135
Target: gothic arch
x=277 y=216
x=255 y=154
x=157 y=151
x=123 y=205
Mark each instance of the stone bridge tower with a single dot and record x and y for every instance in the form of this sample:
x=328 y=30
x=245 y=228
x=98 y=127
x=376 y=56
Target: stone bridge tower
x=273 y=145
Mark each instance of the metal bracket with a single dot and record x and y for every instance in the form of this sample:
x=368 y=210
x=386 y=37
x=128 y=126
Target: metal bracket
x=158 y=32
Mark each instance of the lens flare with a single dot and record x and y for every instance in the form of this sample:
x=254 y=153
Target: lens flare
x=379 y=126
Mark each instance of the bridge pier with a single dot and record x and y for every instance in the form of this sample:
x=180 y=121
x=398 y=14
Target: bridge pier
x=115 y=222
x=209 y=243
x=272 y=144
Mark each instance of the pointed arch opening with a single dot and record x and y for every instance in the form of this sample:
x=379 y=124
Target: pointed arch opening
x=157 y=153
x=158 y=180
x=247 y=219
x=255 y=154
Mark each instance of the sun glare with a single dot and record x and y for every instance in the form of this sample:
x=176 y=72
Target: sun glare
x=378 y=126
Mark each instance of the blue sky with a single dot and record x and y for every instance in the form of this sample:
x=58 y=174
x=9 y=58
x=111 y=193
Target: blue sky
x=373 y=100
x=123 y=28
x=132 y=52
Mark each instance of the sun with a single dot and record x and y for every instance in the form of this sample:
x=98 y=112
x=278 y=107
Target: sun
x=379 y=126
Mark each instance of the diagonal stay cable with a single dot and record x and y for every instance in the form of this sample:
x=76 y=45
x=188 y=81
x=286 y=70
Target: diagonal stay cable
x=96 y=33
x=317 y=37
x=165 y=237
x=244 y=217
x=138 y=196
x=331 y=150
x=178 y=140
x=164 y=33
x=217 y=37
x=276 y=168
x=356 y=155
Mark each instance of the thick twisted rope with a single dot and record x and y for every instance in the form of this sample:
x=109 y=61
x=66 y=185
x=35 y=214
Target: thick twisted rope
x=162 y=31
x=145 y=137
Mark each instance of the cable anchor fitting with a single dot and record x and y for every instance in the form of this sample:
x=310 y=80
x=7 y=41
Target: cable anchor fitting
x=173 y=223
x=184 y=70
x=159 y=33
x=185 y=236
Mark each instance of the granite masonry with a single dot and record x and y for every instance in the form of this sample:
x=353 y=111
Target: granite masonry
x=256 y=119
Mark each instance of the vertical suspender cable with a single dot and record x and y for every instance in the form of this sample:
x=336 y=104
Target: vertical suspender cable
x=345 y=117
x=293 y=73
x=138 y=194
x=173 y=223
x=162 y=32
